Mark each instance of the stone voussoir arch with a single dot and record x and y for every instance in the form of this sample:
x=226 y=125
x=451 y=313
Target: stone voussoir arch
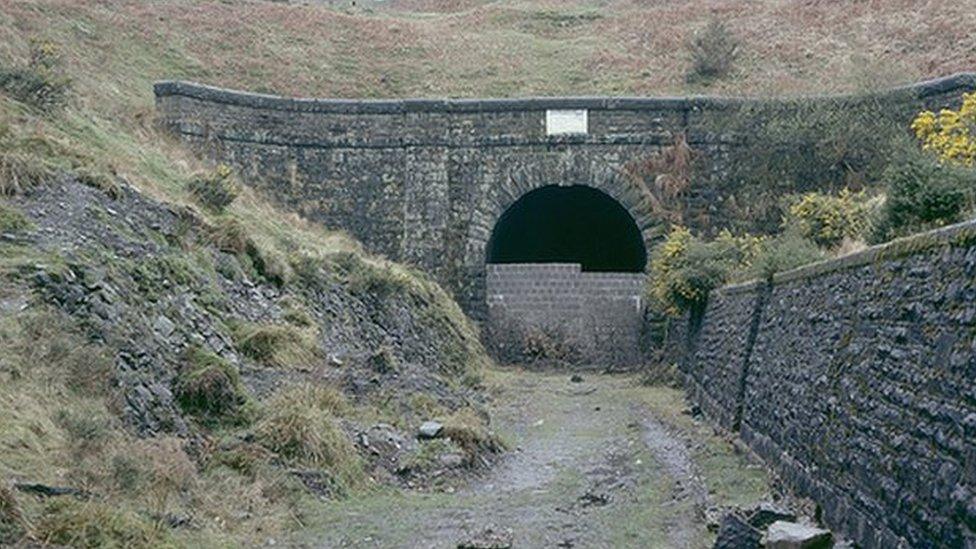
x=522 y=180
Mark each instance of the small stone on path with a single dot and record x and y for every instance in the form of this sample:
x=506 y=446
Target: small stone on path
x=430 y=429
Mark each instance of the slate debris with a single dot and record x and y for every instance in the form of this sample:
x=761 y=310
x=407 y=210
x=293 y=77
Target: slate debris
x=129 y=297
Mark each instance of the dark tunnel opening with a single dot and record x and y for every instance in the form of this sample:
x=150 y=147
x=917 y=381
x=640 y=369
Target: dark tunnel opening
x=576 y=224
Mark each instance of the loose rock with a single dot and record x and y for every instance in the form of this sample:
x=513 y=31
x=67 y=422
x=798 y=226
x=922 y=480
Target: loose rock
x=734 y=532
x=430 y=429
x=791 y=535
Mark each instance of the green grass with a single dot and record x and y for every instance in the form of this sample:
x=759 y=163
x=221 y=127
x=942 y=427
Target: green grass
x=277 y=345
x=13 y=220
x=209 y=388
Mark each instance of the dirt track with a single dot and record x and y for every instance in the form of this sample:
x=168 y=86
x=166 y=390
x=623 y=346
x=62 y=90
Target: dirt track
x=602 y=463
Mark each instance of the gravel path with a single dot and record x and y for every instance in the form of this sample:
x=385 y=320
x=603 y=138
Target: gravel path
x=592 y=467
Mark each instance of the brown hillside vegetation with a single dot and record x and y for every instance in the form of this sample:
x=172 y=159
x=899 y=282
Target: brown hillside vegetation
x=501 y=48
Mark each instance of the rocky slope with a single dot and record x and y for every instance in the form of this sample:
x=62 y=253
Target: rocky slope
x=209 y=335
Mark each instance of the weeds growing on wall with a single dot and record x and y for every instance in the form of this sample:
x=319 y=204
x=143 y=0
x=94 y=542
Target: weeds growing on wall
x=799 y=146
x=663 y=180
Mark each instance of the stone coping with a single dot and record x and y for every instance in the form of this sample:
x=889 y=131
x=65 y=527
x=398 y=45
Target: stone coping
x=960 y=234
x=214 y=94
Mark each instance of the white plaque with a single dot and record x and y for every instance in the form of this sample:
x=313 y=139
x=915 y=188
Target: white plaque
x=564 y=122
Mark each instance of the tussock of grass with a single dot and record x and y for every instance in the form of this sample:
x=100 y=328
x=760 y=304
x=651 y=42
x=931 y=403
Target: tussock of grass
x=428 y=454
x=43 y=337
x=209 y=388
x=300 y=426
x=470 y=431
x=246 y=458
x=13 y=220
x=276 y=345
x=105 y=181
x=295 y=314
x=230 y=235
x=20 y=172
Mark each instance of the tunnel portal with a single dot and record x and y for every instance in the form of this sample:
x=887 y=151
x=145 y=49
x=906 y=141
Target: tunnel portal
x=565 y=278
x=574 y=224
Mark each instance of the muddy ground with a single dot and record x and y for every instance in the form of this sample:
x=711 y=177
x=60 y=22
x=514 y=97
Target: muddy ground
x=604 y=462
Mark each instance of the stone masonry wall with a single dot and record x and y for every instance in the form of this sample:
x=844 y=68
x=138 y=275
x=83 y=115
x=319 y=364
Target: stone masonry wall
x=859 y=385
x=424 y=181
x=555 y=312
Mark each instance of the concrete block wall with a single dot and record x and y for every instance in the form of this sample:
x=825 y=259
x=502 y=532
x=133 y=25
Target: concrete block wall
x=858 y=385
x=556 y=312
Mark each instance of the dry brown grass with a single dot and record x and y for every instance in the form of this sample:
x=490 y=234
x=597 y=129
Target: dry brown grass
x=300 y=426
x=511 y=47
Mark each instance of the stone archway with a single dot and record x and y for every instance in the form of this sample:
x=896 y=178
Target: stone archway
x=548 y=293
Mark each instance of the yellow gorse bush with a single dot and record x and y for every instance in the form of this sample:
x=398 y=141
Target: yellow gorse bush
x=950 y=134
x=685 y=268
x=828 y=219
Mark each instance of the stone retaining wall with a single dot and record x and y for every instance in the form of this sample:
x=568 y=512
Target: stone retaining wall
x=858 y=384
x=425 y=181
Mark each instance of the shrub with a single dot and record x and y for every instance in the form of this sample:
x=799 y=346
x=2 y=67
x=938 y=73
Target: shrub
x=786 y=251
x=713 y=51
x=684 y=268
x=275 y=345
x=951 y=135
x=801 y=145
x=41 y=83
x=209 y=388
x=923 y=193
x=828 y=219
x=215 y=190
x=301 y=427
x=12 y=220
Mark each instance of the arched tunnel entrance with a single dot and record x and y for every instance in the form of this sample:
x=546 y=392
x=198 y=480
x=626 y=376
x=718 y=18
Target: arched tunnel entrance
x=574 y=224
x=565 y=278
